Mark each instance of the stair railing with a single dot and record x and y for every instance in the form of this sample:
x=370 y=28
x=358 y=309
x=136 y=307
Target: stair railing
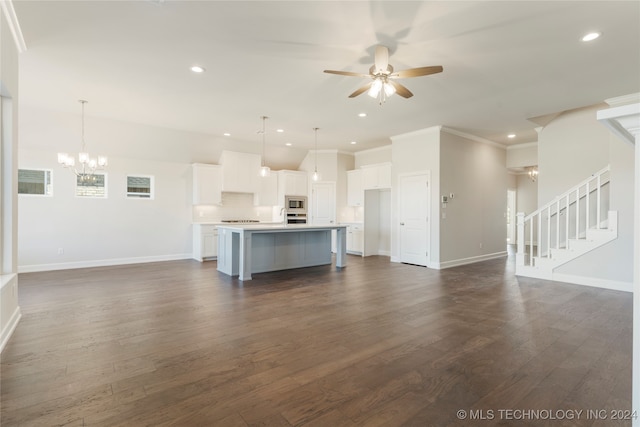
x=583 y=207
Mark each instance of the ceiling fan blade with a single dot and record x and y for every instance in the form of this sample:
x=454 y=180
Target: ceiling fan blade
x=347 y=73
x=401 y=90
x=361 y=90
x=417 y=72
x=381 y=59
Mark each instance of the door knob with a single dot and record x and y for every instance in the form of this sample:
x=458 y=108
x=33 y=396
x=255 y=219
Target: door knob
x=402 y=223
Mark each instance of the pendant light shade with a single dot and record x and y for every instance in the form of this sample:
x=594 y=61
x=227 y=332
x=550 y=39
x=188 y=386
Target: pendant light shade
x=265 y=171
x=316 y=176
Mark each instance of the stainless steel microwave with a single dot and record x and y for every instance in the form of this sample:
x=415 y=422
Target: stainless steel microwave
x=295 y=204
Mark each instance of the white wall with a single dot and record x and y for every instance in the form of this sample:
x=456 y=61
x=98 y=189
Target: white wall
x=571 y=148
x=105 y=231
x=475 y=224
x=526 y=194
x=373 y=156
x=522 y=155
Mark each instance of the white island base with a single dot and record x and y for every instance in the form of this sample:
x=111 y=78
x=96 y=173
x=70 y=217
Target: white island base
x=246 y=249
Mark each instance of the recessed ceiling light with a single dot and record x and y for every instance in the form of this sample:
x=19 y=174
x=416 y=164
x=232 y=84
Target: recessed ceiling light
x=279 y=130
x=227 y=134
x=362 y=115
x=353 y=143
x=197 y=69
x=511 y=135
x=590 y=36
x=288 y=144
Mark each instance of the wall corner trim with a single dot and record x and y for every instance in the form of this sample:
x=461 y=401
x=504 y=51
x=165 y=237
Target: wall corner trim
x=14 y=25
x=11 y=326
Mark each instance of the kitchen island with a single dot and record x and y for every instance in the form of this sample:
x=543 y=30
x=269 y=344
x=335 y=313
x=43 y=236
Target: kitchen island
x=245 y=249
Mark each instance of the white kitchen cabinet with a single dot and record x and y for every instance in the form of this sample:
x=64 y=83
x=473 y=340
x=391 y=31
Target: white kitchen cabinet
x=205 y=242
x=291 y=183
x=376 y=176
x=267 y=194
x=355 y=239
x=207 y=184
x=355 y=191
x=240 y=171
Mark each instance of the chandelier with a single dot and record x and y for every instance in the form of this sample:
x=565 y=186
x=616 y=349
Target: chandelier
x=264 y=170
x=532 y=171
x=88 y=165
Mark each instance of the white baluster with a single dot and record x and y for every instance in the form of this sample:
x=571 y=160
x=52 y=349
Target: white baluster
x=598 y=203
x=587 y=209
x=549 y=232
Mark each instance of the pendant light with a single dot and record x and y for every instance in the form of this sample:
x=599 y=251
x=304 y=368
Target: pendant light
x=265 y=171
x=316 y=176
x=89 y=165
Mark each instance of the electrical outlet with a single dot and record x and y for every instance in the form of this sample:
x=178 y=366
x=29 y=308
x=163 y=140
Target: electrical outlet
x=60 y=251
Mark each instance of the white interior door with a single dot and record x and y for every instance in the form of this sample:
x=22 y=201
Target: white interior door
x=414 y=197
x=323 y=203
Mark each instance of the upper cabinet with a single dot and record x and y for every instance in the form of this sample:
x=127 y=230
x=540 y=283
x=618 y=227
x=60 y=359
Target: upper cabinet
x=240 y=171
x=355 y=191
x=376 y=176
x=207 y=184
x=291 y=183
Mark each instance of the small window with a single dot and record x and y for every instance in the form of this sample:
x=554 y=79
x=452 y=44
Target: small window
x=140 y=187
x=91 y=186
x=35 y=182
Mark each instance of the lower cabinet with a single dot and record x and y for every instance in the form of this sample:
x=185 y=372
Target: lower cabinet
x=355 y=239
x=205 y=242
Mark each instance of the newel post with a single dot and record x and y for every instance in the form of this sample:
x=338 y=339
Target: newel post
x=520 y=253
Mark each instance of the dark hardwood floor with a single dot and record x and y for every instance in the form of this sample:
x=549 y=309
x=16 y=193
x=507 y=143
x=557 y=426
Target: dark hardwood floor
x=373 y=344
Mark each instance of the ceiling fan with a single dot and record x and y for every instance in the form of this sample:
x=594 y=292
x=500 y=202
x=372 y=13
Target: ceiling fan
x=383 y=83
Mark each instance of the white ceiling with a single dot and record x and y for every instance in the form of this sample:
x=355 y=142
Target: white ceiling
x=504 y=62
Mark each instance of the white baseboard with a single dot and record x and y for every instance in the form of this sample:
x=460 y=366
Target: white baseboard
x=9 y=328
x=595 y=282
x=471 y=260
x=384 y=253
x=100 y=263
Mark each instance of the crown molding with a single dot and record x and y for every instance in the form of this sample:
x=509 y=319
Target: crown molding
x=522 y=146
x=632 y=98
x=473 y=137
x=373 y=150
x=427 y=131
x=14 y=25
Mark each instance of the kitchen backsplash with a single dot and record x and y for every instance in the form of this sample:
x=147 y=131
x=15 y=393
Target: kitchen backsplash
x=234 y=206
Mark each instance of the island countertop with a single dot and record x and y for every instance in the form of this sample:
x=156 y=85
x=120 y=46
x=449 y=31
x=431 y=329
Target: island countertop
x=244 y=249
x=269 y=227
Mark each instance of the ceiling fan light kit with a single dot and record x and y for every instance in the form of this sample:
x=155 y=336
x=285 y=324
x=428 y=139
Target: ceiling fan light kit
x=383 y=84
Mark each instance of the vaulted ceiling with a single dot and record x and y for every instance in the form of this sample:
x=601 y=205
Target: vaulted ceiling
x=504 y=62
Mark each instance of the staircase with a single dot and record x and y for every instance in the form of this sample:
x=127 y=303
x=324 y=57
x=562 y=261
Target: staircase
x=574 y=223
